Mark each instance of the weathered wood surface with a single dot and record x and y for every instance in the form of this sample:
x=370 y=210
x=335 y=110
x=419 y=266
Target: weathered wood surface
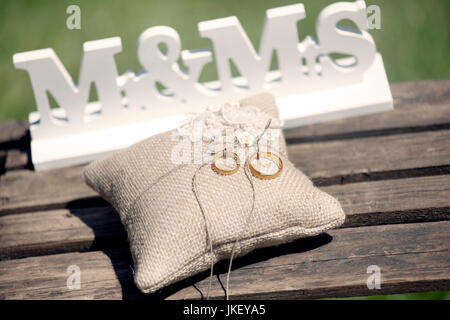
x=419 y=106
x=387 y=170
x=56 y=231
x=26 y=190
x=369 y=203
x=11 y=132
x=365 y=158
x=346 y=160
x=14 y=145
x=412 y=257
x=351 y=160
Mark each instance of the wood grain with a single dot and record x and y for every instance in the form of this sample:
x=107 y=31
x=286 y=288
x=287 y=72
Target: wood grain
x=14 y=145
x=16 y=159
x=418 y=106
x=412 y=257
x=368 y=203
x=57 y=231
x=353 y=160
x=25 y=190
x=12 y=131
x=399 y=159
x=374 y=157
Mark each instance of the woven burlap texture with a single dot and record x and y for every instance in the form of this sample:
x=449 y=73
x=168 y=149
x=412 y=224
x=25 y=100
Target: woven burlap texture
x=165 y=226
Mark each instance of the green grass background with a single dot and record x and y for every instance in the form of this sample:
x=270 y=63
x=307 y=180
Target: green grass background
x=414 y=40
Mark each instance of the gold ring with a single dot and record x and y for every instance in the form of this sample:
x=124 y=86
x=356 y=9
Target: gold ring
x=258 y=173
x=222 y=155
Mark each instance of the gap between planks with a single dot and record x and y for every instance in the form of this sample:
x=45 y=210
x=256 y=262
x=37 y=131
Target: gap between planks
x=418 y=106
x=86 y=229
x=343 y=161
x=412 y=257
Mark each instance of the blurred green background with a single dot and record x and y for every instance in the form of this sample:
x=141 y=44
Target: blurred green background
x=414 y=40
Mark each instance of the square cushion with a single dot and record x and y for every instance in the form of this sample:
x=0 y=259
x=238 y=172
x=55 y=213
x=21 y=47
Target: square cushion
x=166 y=228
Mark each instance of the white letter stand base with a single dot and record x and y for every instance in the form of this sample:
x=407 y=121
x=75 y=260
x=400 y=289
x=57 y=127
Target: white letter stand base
x=369 y=96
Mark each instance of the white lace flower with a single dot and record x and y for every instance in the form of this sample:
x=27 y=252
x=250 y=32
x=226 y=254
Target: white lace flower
x=246 y=123
x=245 y=138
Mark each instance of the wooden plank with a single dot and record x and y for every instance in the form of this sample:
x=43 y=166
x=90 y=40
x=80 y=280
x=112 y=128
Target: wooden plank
x=14 y=145
x=57 y=231
x=412 y=257
x=368 y=203
x=418 y=106
x=25 y=190
x=373 y=158
x=102 y=276
x=394 y=201
x=13 y=159
x=16 y=159
x=12 y=131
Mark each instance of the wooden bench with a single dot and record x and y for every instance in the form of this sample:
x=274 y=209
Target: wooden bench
x=390 y=171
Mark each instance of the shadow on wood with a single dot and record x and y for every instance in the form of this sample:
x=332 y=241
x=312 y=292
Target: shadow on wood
x=15 y=149
x=123 y=263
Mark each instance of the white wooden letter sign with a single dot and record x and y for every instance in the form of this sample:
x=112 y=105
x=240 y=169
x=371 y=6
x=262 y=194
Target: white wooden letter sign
x=309 y=86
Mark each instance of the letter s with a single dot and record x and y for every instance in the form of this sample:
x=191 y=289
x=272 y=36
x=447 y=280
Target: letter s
x=333 y=38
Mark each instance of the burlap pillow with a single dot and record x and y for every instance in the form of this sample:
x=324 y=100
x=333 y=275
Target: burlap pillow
x=166 y=227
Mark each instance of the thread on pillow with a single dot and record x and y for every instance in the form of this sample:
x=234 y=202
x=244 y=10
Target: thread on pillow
x=233 y=251
x=208 y=235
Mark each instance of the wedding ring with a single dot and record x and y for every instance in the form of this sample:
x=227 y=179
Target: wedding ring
x=268 y=157
x=223 y=157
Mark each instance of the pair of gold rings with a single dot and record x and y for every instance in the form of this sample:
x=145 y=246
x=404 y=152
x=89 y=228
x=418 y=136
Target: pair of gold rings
x=253 y=161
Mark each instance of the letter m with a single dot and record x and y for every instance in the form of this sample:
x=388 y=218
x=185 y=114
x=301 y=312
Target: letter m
x=48 y=74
